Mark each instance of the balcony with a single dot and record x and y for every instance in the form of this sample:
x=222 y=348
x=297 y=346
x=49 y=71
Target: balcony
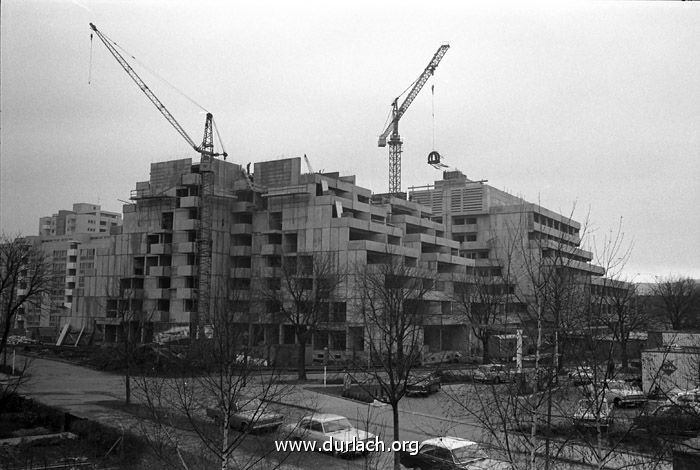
x=132 y=294
x=70 y=279
x=186 y=271
x=73 y=252
x=242 y=206
x=447 y=258
x=71 y=265
x=182 y=317
x=68 y=292
x=162 y=315
x=241 y=228
x=160 y=271
x=158 y=293
x=270 y=249
x=187 y=247
x=160 y=248
x=186 y=293
x=241 y=250
x=476 y=245
x=240 y=272
x=191 y=179
x=189 y=201
x=186 y=224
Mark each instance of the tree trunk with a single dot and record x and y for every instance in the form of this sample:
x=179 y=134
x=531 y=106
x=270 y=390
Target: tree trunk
x=301 y=359
x=623 y=354
x=395 y=413
x=127 y=373
x=128 y=384
x=225 y=451
x=485 y=356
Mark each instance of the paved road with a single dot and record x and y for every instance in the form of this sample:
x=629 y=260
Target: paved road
x=84 y=391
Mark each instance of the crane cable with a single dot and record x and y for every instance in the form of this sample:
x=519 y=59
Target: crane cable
x=218 y=136
x=90 y=63
x=432 y=91
x=155 y=74
x=152 y=72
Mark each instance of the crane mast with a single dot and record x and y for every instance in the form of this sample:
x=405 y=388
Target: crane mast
x=206 y=150
x=392 y=130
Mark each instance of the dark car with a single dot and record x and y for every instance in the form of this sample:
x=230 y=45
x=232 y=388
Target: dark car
x=422 y=385
x=250 y=414
x=493 y=373
x=669 y=418
x=450 y=453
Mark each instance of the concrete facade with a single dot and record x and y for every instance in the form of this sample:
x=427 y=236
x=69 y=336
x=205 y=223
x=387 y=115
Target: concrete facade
x=84 y=218
x=150 y=267
x=146 y=272
x=509 y=239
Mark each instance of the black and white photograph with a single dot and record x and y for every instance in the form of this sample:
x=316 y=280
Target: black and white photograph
x=401 y=235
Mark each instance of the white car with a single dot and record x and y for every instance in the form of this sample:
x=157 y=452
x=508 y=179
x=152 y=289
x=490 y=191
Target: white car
x=624 y=394
x=619 y=393
x=684 y=398
x=450 y=453
x=322 y=428
x=252 y=361
x=593 y=413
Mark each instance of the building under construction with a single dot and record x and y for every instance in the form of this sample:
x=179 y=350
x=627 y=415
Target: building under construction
x=279 y=215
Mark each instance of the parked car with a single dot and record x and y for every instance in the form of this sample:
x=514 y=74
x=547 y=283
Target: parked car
x=593 y=413
x=422 y=385
x=250 y=414
x=17 y=339
x=326 y=427
x=251 y=361
x=667 y=418
x=492 y=373
x=581 y=375
x=621 y=393
x=618 y=393
x=686 y=397
x=447 y=453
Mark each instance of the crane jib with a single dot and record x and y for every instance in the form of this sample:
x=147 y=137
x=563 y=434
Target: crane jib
x=151 y=96
x=397 y=113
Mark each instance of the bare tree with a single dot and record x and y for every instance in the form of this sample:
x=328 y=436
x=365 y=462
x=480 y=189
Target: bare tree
x=214 y=382
x=26 y=278
x=680 y=298
x=302 y=295
x=121 y=304
x=482 y=302
x=614 y=298
x=393 y=308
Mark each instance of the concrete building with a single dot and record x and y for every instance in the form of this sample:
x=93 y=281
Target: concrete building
x=146 y=273
x=72 y=259
x=510 y=239
x=69 y=240
x=84 y=218
x=151 y=266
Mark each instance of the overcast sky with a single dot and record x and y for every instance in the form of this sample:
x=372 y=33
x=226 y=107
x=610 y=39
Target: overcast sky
x=593 y=105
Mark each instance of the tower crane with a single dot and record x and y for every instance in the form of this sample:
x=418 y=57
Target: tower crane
x=392 y=130
x=206 y=189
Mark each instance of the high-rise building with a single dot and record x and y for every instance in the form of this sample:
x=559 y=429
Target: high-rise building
x=84 y=218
